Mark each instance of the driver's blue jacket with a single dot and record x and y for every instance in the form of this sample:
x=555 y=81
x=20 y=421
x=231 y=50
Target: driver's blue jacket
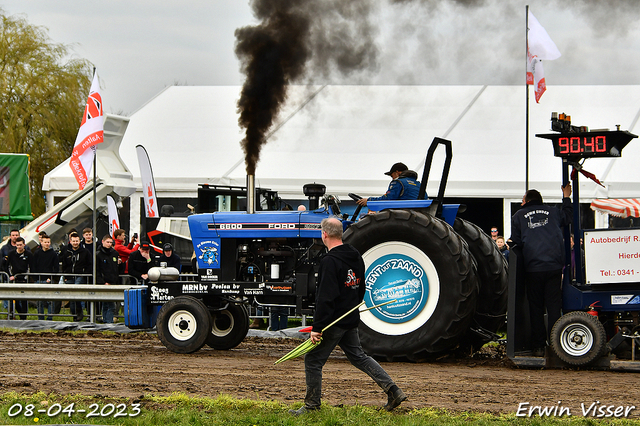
x=406 y=187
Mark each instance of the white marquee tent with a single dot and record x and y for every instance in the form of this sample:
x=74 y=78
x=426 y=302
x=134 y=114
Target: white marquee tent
x=346 y=137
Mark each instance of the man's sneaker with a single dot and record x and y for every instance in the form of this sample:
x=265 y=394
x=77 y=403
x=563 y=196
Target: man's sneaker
x=396 y=396
x=302 y=410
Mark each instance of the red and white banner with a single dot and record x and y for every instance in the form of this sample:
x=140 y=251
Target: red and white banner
x=114 y=221
x=148 y=186
x=89 y=135
x=539 y=47
x=620 y=207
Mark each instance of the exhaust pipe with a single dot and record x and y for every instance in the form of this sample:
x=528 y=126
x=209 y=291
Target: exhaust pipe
x=251 y=194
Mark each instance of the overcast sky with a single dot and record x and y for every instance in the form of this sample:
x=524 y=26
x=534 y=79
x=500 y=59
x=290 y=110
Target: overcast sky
x=142 y=46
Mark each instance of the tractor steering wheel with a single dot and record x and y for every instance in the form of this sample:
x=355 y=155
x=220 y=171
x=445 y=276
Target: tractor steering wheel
x=355 y=197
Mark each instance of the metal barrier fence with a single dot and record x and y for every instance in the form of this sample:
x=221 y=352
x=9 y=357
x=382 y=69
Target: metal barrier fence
x=54 y=287
x=57 y=291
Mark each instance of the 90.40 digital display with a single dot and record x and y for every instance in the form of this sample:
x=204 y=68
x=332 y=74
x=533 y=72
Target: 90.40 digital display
x=589 y=144
x=594 y=145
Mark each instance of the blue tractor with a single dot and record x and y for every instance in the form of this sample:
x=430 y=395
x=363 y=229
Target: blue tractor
x=448 y=276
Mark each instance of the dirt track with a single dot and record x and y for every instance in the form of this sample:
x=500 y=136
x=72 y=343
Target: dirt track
x=132 y=365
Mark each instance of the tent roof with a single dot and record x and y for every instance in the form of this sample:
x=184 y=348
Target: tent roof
x=347 y=136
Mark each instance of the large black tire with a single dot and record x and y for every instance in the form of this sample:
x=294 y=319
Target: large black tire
x=229 y=327
x=419 y=260
x=183 y=324
x=578 y=338
x=493 y=273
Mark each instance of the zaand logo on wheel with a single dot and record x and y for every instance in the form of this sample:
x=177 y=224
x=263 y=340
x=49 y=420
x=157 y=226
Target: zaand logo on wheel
x=396 y=276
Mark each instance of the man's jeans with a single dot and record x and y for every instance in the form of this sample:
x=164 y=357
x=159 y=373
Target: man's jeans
x=108 y=312
x=50 y=310
x=349 y=341
x=74 y=306
x=41 y=305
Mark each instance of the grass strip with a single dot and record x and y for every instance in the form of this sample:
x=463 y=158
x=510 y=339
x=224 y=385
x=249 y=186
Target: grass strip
x=180 y=409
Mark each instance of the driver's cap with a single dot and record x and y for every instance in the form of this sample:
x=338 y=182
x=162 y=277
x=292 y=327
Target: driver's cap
x=398 y=167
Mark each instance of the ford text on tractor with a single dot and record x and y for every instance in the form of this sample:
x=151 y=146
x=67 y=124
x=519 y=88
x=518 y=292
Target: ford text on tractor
x=448 y=276
x=600 y=325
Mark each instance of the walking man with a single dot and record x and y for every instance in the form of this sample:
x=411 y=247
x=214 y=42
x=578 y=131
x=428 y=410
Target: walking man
x=340 y=288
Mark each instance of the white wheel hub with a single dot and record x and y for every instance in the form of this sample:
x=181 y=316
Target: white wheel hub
x=576 y=339
x=182 y=325
x=400 y=271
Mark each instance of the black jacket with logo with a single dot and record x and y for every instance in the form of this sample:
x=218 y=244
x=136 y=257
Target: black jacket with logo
x=138 y=264
x=537 y=228
x=340 y=288
x=19 y=263
x=76 y=261
x=107 y=265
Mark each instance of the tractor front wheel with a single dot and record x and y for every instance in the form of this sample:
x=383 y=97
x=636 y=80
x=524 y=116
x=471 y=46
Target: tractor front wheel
x=183 y=324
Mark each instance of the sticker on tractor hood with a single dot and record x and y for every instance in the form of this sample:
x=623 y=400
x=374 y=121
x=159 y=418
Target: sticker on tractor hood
x=396 y=276
x=208 y=253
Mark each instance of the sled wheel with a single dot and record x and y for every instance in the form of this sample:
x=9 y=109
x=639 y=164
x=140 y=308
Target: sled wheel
x=183 y=324
x=420 y=261
x=229 y=327
x=578 y=338
x=493 y=273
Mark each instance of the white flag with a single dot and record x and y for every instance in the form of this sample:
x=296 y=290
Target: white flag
x=89 y=135
x=148 y=186
x=540 y=47
x=114 y=221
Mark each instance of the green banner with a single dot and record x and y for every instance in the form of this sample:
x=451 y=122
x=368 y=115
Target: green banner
x=15 y=203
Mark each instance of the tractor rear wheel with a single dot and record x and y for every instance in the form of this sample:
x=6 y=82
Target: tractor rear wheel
x=229 y=327
x=183 y=324
x=493 y=273
x=578 y=338
x=420 y=261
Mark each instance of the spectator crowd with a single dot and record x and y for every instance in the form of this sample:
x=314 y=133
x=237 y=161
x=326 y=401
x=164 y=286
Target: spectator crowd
x=116 y=262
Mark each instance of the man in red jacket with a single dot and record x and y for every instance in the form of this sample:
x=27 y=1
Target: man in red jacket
x=124 y=251
x=340 y=288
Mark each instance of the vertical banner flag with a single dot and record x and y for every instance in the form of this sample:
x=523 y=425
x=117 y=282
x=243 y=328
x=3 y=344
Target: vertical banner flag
x=90 y=134
x=148 y=186
x=539 y=47
x=114 y=221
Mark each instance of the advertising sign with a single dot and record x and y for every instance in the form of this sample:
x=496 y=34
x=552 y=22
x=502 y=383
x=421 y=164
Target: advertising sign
x=612 y=256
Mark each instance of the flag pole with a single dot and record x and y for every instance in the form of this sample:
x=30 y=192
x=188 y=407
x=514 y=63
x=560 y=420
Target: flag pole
x=92 y=313
x=526 y=85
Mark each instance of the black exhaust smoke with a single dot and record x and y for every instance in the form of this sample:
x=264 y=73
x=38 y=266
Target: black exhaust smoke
x=296 y=38
x=272 y=54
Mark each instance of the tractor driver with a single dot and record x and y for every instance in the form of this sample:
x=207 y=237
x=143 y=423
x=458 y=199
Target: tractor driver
x=404 y=185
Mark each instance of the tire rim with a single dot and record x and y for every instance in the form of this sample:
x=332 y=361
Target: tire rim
x=400 y=327
x=222 y=323
x=182 y=325
x=576 y=339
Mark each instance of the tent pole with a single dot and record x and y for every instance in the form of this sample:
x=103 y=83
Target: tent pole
x=526 y=85
x=92 y=310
